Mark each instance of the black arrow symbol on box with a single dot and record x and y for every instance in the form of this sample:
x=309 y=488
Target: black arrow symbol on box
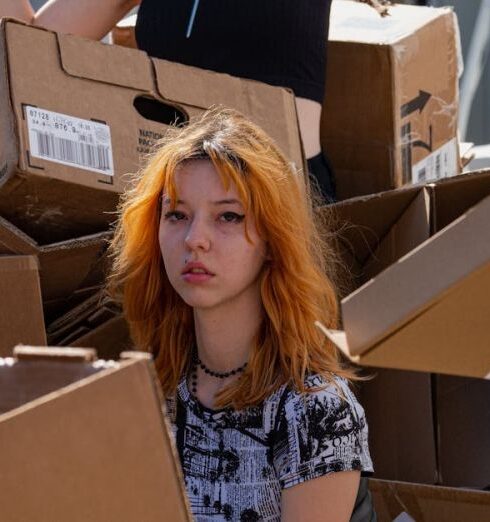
x=419 y=102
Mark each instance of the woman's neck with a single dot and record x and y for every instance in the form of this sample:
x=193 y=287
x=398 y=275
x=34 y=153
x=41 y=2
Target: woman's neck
x=225 y=336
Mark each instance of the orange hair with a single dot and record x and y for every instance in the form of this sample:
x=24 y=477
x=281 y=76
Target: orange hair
x=296 y=284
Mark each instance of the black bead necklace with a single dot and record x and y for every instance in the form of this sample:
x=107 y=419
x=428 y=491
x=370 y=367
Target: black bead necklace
x=219 y=375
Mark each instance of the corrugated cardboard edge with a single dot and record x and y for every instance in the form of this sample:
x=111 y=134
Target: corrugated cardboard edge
x=167 y=430
x=64 y=390
x=9 y=138
x=339 y=337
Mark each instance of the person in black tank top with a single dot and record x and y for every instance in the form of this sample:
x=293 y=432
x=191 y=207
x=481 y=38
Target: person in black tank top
x=280 y=42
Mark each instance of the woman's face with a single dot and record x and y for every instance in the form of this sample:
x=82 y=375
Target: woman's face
x=207 y=257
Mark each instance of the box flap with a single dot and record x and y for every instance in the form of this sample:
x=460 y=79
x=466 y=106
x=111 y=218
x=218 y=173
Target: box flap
x=111 y=64
x=449 y=336
x=197 y=87
x=428 y=503
x=73 y=264
x=353 y=21
x=451 y=197
x=14 y=241
x=21 y=312
x=116 y=460
x=363 y=221
x=402 y=291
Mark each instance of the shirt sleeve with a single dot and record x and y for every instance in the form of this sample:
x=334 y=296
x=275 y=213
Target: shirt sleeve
x=319 y=433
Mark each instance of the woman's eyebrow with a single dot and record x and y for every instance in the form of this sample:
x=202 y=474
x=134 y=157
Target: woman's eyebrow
x=227 y=202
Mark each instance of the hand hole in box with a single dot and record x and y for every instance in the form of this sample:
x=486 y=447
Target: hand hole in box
x=159 y=111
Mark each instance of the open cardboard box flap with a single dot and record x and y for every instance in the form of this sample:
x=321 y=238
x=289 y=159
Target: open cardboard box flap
x=427 y=311
x=65 y=265
x=21 y=311
x=122 y=66
x=100 y=443
x=407 y=502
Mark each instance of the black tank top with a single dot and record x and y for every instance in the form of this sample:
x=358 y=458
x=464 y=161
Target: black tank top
x=280 y=42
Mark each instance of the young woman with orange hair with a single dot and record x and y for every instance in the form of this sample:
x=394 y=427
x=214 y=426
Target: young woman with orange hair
x=222 y=273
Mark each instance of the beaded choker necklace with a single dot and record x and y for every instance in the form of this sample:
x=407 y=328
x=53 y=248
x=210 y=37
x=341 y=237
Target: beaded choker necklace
x=218 y=375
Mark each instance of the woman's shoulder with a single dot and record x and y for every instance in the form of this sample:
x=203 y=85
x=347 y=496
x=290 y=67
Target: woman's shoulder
x=331 y=391
x=320 y=431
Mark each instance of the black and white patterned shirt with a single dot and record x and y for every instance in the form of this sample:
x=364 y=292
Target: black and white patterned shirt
x=236 y=463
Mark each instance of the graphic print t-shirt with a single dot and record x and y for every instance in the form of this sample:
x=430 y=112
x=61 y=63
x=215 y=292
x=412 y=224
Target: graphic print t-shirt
x=236 y=463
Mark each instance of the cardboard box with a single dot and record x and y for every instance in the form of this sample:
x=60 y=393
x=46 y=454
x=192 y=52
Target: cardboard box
x=372 y=232
x=463 y=424
x=86 y=114
x=100 y=444
x=409 y=441
x=64 y=267
x=400 y=411
x=421 y=311
x=405 y=502
x=21 y=311
x=391 y=102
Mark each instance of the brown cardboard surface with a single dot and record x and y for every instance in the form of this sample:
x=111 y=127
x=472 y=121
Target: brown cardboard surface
x=372 y=232
x=64 y=267
x=463 y=417
x=428 y=503
x=96 y=322
x=21 y=312
x=412 y=313
x=402 y=436
x=101 y=446
x=391 y=96
x=107 y=85
x=109 y=338
x=452 y=197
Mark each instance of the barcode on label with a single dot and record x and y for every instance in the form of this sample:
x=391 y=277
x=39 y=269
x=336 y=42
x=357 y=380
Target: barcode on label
x=441 y=163
x=438 y=166
x=72 y=141
x=82 y=154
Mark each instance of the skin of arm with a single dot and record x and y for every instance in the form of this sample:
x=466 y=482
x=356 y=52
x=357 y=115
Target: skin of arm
x=20 y=9
x=89 y=18
x=330 y=497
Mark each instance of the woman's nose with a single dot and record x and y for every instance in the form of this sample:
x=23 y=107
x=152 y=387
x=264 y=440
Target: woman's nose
x=198 y=236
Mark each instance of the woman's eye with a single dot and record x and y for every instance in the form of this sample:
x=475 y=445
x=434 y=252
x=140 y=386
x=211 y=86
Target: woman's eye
x=174 y=215
x=231 y=217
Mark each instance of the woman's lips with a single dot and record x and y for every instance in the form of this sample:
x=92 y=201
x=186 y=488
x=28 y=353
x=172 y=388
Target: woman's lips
x=196 y=277
x=196 y=273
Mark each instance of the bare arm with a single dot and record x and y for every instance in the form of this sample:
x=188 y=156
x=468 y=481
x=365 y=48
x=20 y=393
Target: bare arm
x=20 y=9
x=89 y=18
x=330 y=497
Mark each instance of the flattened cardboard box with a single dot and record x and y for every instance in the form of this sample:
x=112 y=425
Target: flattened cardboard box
x=78 y=115
x=423 y=310
x=391 y=101
x=100 y=444
x=406 y=502
x=21 y=311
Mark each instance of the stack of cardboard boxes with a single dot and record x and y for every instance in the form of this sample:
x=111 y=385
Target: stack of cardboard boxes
x=416 y=309
x=77 y=116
